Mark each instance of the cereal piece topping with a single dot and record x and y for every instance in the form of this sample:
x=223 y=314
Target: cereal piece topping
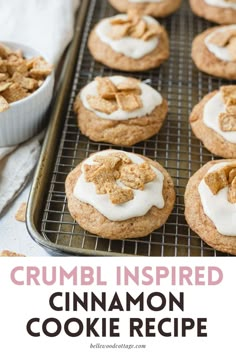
x=232 y=174
x=224 y=177
x=3 y=104
x=232 y=191
x=117 y=167
x=21 y=213
x=111 y=97
x=19 y=77
x=139 y=30
x=128 y=102
x=106 y=88
x=129 y=85
x=123 y=157
x=231 y=109
x=227 y=120
x=153 y=31
x=119 y=31
x=135 y=176
x=134 y=26
x=228 y=93
x=113 y=161
x=216 y=180
x=119 y=195
x=102 y=105
x=120 y=21
x=100 y=175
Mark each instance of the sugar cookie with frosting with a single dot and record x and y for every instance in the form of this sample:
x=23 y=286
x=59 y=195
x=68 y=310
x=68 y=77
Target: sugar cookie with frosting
x=214 y=51
x=213 y=121
x=219 y=11
x=129 y=42
x=119 y=195
x=210 y=204
x=155 y=8
x=119 y=110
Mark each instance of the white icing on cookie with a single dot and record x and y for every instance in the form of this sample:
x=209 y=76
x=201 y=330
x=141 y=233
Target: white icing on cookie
x=211 y=113
x=221 y=53
x=217 y=207
x=130 y=47
x=143 y=200
x=150 y=99
x=220 y=3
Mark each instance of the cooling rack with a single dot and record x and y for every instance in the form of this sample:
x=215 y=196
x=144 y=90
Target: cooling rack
x=175 y=147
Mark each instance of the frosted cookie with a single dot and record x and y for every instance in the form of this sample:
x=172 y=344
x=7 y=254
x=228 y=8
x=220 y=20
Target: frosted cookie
x=129 y=42
x=155 y=8
x=210 y=204
x=119 y=195
x=213 y=121
x=119 y=110
x=214 y=51
x=219 y=11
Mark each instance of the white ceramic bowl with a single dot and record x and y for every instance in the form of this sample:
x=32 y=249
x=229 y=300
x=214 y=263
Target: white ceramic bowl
x=26 y=117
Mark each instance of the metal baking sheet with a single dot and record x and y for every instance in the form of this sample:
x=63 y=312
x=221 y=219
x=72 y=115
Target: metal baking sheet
x=175 y=147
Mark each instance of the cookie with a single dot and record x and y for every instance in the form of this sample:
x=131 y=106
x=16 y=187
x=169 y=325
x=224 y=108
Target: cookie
x=119 y=110
x=214 y=51
x=213 y=121
x=119 y=195
x=210 y=204
x=155 y=8
x=129 y=42
x=219 y=11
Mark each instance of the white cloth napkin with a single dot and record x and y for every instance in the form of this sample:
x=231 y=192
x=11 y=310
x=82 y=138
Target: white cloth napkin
x=15 y=169
x=47 y=26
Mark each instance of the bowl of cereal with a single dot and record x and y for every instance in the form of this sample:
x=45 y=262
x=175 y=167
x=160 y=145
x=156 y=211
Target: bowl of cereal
x=26 y=89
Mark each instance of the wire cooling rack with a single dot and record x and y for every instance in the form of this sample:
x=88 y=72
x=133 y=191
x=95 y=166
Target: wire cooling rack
x=174 y=147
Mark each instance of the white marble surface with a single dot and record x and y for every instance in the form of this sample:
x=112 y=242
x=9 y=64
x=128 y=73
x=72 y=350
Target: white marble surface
x=14 y=235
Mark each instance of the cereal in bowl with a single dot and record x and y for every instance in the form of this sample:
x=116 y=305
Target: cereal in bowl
x=19 y=76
